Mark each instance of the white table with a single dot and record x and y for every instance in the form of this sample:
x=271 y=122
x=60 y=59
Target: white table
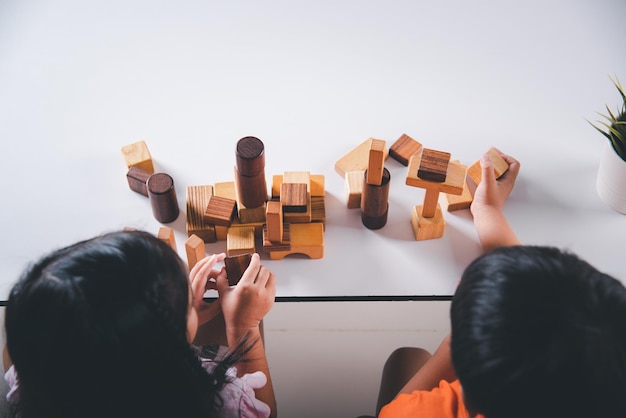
x=312 y=80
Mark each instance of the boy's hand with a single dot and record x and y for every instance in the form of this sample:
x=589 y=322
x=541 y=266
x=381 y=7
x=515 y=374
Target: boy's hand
x=492 y=193
x=202 y=278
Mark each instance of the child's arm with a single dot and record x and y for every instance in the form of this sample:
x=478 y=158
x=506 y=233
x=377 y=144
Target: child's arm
x=244 y=306
x=492 y=227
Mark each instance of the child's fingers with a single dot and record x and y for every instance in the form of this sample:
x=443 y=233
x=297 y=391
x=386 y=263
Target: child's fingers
x=250 y=275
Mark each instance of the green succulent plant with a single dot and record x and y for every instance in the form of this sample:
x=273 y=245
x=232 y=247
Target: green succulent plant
x=615 y=125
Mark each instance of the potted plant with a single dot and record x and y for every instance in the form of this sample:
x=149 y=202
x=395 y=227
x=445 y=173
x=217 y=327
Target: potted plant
x=611 y=180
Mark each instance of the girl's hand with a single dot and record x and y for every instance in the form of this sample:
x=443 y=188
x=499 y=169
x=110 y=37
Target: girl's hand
x=492 y=193
x=202 y=277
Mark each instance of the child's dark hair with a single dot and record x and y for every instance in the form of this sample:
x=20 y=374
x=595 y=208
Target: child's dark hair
x=99 y=329
x=538 y=332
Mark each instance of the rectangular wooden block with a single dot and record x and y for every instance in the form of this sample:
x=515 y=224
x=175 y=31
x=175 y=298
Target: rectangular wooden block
x=225 y=189
x=274 y=221
x=194 y=248
x=220 y=211
x=137 y=179
x=318 y=209
x=376 y=162
x=427 y=228
x=433 y=165
x=284 y=244
x=197 y=201
x=167 y=235
x=455 y=177
x=354 y=188
x=293 y=197
x=357 y=159
x=404 y=148
x=138 y=155
x=240 y=240
x=236 y=266
x=500 y=166
x=299 y=217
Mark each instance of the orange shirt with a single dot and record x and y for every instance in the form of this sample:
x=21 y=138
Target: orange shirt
x=445 y=401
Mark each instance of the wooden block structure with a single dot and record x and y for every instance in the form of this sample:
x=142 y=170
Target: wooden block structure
x=195 y=250
x=404 y=148
x=236 y=266
x=357 y=159
x=453 y=202
x=376 y=162
x=138 y=155
x=167 y=235
x=354 y=188
x=433 y=165
x=220 y=211
x=197 y=202
x=500 y=166
x=434 y=225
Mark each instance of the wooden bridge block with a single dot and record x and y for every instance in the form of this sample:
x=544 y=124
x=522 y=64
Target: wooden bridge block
x=197 y=202
x=240 y=240
x=404 y=148
x=357 y=159
x=433 y=165
x=306 y=238
x=138 y=155
x=220 y=211
x=236 y=266
x=499 y=166
x=195 y=250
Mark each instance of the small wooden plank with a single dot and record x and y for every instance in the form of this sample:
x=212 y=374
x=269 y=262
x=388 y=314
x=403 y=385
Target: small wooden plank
x=404 y=148
x=236 y=266
x=354 y=188
x=167 y=235
x=357 y=159
x=240 y=240
x=220 y=211
x=376 y=162
x=195 y=250
x=138 y=155
x=433 y=165
x=293 y=197
x=500 y=166
x=274 y=221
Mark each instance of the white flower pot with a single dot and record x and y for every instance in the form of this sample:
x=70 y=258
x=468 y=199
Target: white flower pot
x=611 y=180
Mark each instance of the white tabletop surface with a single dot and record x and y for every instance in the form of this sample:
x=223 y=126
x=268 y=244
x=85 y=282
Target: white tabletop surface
x=312 y=80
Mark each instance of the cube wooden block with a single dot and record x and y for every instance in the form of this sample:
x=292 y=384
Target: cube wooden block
x=433 y=165
x=306 y=238
x=194 y=248
x=236 y=266
x=354 y=188
x=274 y=221
x=137 y=179
x=197 y=202
x=453 y=202
x=220 y=211
x=138 y=155
x=240 y=240
x=404 y=148
x=499 y=166
x=293 y=197
x=357 y=159
x=427 y=228
x=167 y=235
x=376 y=162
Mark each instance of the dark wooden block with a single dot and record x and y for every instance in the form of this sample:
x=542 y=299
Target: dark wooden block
x=220 y=211
x=250 y=156
x=162 y=197
x=404 y=148
x=137 y=179
x=293 y=197
x=433 y=165
x=236 y=266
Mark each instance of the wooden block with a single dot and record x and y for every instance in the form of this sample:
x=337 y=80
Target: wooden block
x=298 y=177
x=318 y=209
x=357 y=159
x=277 y=181
x=317 y=185
x=354 y=187
x=433 y=165
x=376 y=162
x=455 y=178
x=283 y=245
x=240 y=240
x=167 y=235
x=299 y=217
x=404 y=148
x=251 y=215
x=500 y=166
x=274 y=221
x=293 y=197
x=194 y=247
x=220 y=211
x=306 y=238
x=453 y=202
x=137 y=179
x=236 y=266
x=225 y=189
x=427 y=228
x=162 y=196
x=138 y=155
x=197 y=201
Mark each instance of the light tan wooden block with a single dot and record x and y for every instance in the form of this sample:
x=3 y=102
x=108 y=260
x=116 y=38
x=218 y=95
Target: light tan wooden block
x=427 y=228
x=318 y=209
x=354 y=188
x=195 y=250
x=455 y=178
x=274 y=221
x=451 y=202
x=225 y=189
x=376 y=162
x=197 y=201
x=357 y=159
x=167 y=235
x=240 y=240
x=318 y=187
x=298 y=177
x=138 y=155
x=404 y=148
x=306 y=238
x=499 y=166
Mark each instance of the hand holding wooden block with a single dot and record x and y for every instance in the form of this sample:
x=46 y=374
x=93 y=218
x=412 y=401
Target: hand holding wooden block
x=499 y=166
x=236 y=266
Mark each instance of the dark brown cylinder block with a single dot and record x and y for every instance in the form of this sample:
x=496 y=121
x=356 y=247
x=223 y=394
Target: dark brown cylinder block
x=375 y=202
x=250 y=172
x=162 y=197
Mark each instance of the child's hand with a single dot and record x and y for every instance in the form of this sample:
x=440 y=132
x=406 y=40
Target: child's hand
x=245 y=304
x=202 y=277
x=492 y=193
